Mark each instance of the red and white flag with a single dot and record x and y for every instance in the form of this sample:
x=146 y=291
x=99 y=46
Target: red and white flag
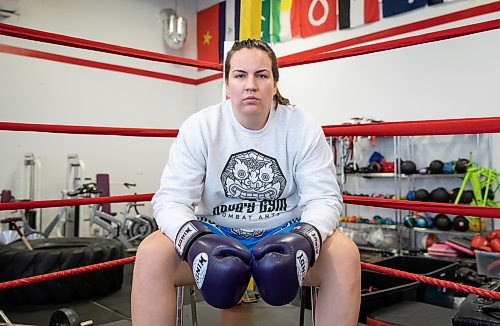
x=318 y=16
x=354 y=13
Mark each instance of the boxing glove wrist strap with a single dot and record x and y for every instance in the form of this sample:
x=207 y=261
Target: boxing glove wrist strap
x=312 y=235
x=187 y=234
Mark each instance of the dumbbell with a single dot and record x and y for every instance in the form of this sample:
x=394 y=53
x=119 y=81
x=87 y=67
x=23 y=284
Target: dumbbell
x=67 y=317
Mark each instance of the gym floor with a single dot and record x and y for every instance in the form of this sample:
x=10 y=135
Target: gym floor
x=114 y=309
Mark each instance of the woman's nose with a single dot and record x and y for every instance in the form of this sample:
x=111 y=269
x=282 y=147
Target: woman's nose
x=251 y=85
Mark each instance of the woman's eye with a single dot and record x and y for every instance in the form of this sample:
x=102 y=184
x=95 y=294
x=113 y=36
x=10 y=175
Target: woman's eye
x=239 y=76
x=262 y=76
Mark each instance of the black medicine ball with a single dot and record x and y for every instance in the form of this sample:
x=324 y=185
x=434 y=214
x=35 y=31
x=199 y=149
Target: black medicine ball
x=453 y=194
x=460 y=223
x=408 y=167
x=461 y=165
x=467 y=197
x=422 y=195
x=436 y=167
x=442 y=222
x=440 y=195
x=491 y=195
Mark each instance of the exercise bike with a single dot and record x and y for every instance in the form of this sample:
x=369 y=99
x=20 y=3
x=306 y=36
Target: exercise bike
x=19 y=226
x=130 y=230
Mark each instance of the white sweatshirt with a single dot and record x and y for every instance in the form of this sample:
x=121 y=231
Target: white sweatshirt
x=247 y=179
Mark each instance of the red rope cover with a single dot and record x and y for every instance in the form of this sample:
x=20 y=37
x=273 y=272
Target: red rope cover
x=88 y=130
x=491 y=212
x=418 y=128
x=53 y=38
x=467 y=210
x=74 y=202
x=432 y=281
x=376 y=268
x=95 y=64
x=400 y=128
x=65 y=273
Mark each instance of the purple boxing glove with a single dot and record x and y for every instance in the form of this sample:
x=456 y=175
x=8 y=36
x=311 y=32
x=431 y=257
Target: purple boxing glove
x=281 y=262
x=220 y=265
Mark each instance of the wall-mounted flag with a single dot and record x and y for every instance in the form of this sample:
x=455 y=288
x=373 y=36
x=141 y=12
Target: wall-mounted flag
x=395 y=7
x=354 y=13
x=250 y=19
x=317 y=16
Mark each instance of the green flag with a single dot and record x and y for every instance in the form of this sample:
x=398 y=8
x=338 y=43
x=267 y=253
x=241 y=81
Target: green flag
x=266 y=20
x=275 y=21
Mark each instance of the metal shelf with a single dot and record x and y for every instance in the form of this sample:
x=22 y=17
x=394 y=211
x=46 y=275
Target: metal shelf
x=435 y=231
x=360 y=226
x=404 y=176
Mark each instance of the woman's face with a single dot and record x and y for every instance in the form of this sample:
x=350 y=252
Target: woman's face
x=251 y=87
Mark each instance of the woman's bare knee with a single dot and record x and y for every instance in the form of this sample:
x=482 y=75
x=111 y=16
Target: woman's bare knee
x=156 y=257
x=339 y=255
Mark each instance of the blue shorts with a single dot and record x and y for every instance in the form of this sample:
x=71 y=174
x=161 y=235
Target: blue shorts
x=250 y=238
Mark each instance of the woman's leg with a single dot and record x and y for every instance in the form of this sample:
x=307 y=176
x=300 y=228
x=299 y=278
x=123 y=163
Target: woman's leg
x=157 y=271
x=338 y=275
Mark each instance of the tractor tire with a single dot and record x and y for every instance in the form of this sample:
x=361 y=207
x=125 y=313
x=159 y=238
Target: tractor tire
x=57 y=254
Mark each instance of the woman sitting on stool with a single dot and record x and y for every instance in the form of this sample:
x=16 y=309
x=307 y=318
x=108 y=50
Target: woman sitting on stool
x=259 y=175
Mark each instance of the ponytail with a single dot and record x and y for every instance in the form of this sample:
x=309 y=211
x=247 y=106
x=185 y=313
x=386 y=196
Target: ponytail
x=279 y=99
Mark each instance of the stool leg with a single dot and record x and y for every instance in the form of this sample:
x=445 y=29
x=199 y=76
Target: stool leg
x=302 y=305
x=193 y=306
x=314 y=299
x=180 y=304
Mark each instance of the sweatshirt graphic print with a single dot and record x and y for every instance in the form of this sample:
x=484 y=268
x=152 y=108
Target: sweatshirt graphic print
x=248 y=180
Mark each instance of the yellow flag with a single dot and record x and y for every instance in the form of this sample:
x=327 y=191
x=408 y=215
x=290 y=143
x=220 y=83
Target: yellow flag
x=250 y=19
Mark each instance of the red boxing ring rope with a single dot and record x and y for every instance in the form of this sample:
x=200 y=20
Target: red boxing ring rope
x=432 y=127
x=399 y=30
x=395 y=44
x=468 y=210
x=53 y=38
x=376 y=268
x=65 y=273
x=491 y=212
x=432 y=281
x=417 y=128
x=400 y=128
x=88 y=130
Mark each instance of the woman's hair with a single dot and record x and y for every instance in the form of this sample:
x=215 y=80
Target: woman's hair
x=261 y=45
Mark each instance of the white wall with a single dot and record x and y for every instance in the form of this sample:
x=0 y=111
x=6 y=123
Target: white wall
x=40 y=91
x=454 y=78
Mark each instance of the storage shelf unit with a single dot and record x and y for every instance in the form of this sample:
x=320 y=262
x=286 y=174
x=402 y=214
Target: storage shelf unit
x=478 y=147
